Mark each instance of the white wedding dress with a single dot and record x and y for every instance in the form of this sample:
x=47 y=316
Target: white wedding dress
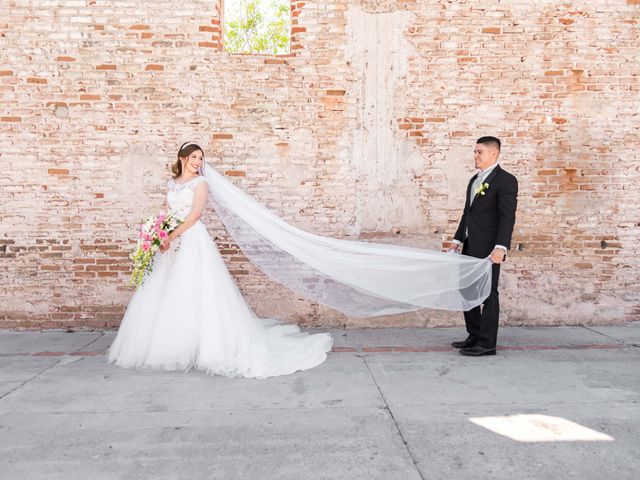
x=189 y=313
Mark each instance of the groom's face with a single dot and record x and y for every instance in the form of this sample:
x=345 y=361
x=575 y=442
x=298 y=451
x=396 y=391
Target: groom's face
x=485 y=155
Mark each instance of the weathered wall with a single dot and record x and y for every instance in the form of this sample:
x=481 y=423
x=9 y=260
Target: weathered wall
x=364 y=131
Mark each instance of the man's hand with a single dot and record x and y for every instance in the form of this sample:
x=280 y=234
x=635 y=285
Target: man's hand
x=455 y=248
x=497 y=256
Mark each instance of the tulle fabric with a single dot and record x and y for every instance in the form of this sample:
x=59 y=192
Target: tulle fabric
x=359 y=279
x=190 y=314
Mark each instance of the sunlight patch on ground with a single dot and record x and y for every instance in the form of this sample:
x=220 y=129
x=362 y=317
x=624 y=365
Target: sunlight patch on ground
x=540 y=428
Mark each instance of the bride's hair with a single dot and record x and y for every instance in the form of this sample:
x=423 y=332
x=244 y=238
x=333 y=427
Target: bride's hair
x=185 y=150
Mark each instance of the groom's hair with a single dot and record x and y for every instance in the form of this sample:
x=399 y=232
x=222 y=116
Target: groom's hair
x=493 y=141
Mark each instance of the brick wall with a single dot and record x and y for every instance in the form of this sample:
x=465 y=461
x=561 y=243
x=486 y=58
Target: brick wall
x=364 y=131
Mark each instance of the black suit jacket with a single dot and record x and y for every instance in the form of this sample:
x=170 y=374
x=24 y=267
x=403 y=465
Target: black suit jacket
x=490 y=219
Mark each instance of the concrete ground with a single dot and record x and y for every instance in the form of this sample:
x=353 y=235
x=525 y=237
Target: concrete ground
x=387 y=404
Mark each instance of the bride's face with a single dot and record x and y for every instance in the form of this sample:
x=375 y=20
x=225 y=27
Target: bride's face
x=193 y=162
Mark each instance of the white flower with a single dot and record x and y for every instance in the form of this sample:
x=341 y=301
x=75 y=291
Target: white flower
x=482 y=189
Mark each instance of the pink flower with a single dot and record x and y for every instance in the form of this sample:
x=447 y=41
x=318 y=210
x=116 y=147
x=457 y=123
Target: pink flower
x=146 y=246
x=162 y=234
x=147 y=237
x=161 y=218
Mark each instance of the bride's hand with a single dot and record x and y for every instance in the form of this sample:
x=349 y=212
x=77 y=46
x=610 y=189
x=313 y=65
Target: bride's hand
x=165 y=246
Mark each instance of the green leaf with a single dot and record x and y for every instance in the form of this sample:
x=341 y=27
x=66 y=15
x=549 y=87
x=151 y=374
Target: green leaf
x=255 y=26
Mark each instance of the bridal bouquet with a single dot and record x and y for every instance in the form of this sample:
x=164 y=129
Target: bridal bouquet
x=152 y=233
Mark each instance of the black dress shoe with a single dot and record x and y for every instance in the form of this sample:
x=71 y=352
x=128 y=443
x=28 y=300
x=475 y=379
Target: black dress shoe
x=469 y=342
x=477 y=351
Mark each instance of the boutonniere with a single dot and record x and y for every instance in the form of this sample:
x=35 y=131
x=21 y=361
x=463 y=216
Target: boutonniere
x=482 y=189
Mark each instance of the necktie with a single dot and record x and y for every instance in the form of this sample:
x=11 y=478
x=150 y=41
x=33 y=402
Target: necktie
x=474 y=188
x=476 y=184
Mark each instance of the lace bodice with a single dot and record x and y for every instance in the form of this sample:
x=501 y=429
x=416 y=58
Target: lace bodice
x=180 y=195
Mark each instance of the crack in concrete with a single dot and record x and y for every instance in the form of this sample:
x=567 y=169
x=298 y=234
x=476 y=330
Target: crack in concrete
x=29 y=380
x=600 y=333
x=393 y=418
x=459 y=406
x=609 y=336
x=60 y=361
x=82 y=349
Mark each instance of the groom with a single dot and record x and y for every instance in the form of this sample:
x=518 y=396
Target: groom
x=485 y=231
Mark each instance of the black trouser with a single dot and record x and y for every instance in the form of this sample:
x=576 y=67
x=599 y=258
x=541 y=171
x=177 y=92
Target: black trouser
x=482 y=324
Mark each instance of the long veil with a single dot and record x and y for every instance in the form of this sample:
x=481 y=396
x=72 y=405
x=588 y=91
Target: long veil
x=357 y=278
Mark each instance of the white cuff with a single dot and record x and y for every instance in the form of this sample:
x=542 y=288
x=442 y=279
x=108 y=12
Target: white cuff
x=501 y=247
x=457 y=242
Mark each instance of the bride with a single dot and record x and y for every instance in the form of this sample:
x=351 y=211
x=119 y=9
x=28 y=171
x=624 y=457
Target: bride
x=189 y=313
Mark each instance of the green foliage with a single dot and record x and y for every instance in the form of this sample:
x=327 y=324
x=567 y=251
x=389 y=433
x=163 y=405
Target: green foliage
x=257 y=26
x=142 y=265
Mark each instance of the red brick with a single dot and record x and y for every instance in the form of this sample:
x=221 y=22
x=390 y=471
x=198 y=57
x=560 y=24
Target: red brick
x=285 y=125
x=344 y=349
